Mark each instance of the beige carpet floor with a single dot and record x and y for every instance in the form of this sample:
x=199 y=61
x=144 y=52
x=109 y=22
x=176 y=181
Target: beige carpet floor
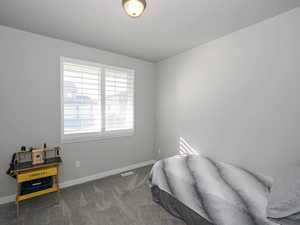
x=113 y=200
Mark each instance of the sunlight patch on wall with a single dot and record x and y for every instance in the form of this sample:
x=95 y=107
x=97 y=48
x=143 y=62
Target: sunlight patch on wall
x=185 y=148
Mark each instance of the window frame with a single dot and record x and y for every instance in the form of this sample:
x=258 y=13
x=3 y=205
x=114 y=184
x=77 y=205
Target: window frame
x=93 y=136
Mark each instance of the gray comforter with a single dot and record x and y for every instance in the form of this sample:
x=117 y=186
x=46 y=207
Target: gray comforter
x=223 y=194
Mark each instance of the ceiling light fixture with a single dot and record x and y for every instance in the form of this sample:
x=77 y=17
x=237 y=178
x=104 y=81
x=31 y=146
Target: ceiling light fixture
x=134 y=8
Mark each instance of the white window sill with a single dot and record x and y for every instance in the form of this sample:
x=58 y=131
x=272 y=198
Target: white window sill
x=89 y=137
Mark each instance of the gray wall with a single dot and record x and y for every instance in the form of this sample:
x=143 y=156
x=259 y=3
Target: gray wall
x=236 y=98
x=30 y=105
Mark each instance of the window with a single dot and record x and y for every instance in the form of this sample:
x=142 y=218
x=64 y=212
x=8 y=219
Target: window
x=97 y=101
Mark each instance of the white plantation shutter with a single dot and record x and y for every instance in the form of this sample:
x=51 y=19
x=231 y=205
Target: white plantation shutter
x=82 y=99
x=97 y=100
x=119 y=98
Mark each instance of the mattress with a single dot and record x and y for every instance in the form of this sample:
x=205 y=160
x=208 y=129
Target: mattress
x=203 y=191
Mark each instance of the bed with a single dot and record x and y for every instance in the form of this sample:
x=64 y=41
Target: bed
x=202 y=191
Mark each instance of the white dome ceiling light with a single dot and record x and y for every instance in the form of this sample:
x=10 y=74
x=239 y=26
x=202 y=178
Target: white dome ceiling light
x=134 y=8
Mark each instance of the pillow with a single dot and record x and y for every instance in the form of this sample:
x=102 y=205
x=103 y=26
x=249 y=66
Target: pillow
x=284 y=198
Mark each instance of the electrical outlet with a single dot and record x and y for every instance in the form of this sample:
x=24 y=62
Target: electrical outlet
x=77 y=164
x=158 y=151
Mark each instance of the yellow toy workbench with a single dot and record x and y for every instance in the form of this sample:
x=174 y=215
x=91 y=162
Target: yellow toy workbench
x=26 y=171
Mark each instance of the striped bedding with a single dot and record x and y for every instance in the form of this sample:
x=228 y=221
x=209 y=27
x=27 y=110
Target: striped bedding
x=221 y=193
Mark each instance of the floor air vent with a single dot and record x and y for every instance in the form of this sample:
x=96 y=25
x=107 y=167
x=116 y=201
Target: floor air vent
x=129 y=173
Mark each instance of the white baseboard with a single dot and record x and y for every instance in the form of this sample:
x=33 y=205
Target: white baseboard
x=97 y=176
x=105 y=174
x=7 y=199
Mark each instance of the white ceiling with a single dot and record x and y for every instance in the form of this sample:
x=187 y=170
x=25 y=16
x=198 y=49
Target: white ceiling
x=166 y=28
